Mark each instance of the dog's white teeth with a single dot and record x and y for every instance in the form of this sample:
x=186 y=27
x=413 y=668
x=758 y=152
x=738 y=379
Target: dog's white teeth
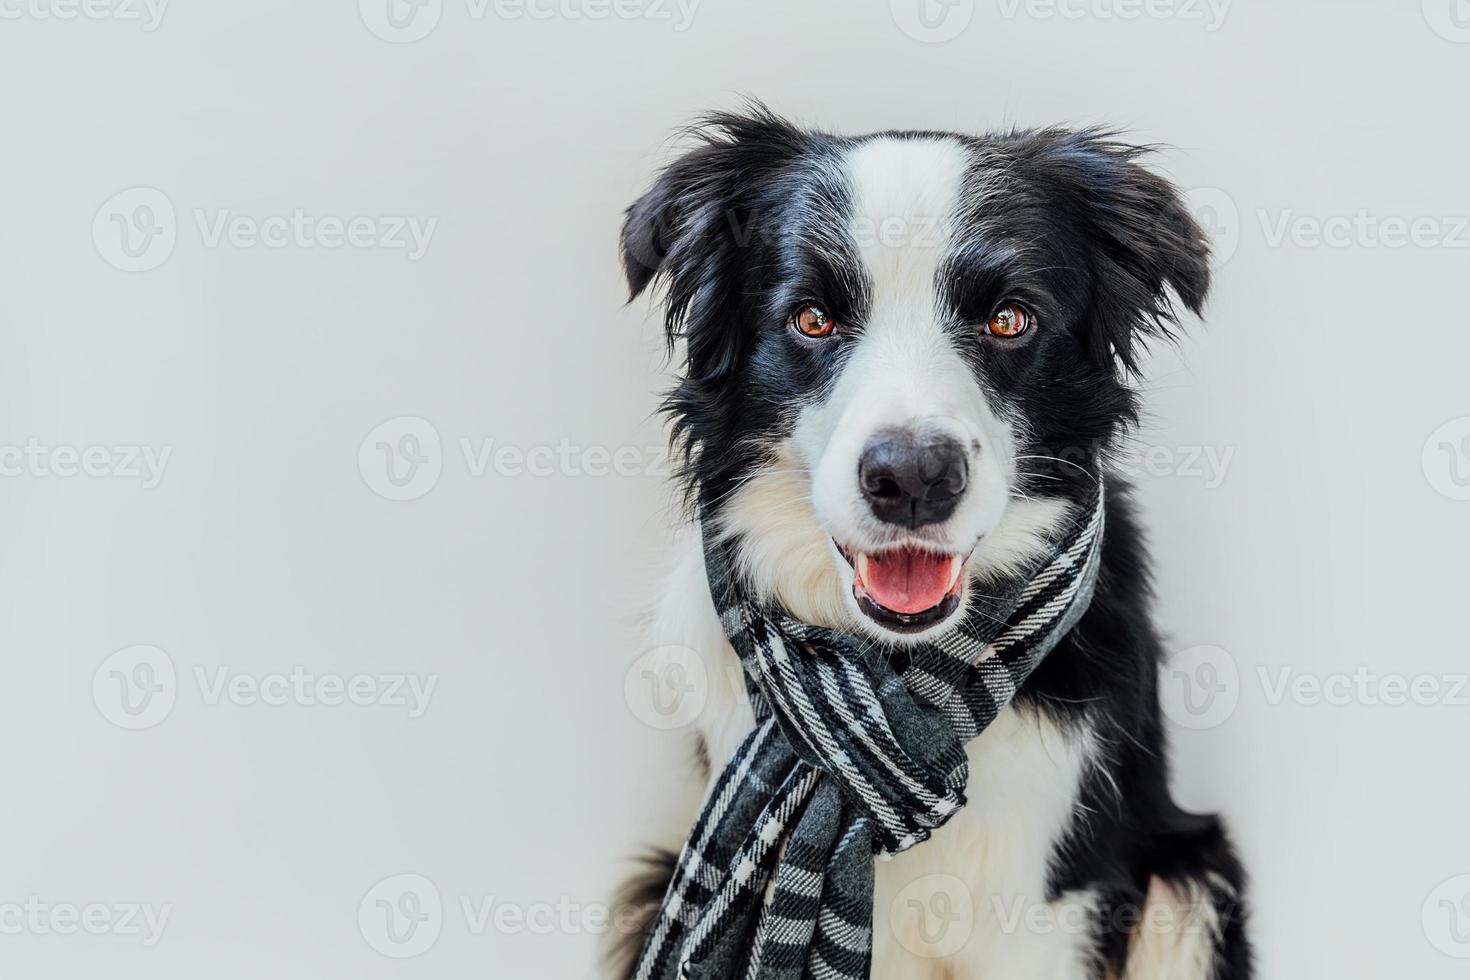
x=956 y=565
x=862 y=568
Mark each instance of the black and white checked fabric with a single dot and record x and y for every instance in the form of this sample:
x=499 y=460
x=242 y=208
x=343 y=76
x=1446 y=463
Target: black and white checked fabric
x=858 y=751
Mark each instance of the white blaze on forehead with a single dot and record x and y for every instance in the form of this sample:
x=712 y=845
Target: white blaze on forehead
x=905 y=193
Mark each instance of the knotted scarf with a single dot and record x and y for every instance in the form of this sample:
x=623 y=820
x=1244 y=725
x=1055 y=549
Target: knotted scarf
x=858 y=751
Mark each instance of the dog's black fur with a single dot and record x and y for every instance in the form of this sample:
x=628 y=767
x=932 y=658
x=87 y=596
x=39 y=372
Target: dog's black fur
x=1075 y=226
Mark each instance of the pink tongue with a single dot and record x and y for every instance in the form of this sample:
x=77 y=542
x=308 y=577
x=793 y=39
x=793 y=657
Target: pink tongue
x=907 y=581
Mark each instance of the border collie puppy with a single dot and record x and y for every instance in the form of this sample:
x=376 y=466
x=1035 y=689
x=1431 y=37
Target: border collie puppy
x=906 y=355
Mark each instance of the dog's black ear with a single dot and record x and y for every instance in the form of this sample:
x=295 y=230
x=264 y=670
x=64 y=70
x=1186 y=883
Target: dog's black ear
x=650 y=227
x=697 y=232
x=689 y=230
x=1148 y=248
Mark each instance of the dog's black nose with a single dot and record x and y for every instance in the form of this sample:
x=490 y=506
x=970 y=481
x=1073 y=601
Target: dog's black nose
x=913 y=478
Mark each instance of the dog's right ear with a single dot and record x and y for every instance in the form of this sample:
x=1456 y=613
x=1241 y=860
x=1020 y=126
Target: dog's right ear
x=697 y=232
x=650 y=227
x=687 y=230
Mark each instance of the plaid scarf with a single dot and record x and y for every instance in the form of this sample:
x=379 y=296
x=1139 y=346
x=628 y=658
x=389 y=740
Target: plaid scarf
x=858 y=751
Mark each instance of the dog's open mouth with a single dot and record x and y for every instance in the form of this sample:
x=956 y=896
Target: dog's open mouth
x=906 y=589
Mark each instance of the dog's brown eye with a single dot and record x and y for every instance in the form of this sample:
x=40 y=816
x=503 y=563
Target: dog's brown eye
x=812 y=321
x=1010 y=320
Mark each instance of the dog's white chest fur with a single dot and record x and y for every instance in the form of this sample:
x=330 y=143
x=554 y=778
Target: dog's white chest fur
x=971 y=901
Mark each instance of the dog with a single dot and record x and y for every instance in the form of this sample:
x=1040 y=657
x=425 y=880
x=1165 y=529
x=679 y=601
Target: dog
x=904 y=353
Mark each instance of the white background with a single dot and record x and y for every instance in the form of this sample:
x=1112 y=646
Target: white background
x=1332 y=540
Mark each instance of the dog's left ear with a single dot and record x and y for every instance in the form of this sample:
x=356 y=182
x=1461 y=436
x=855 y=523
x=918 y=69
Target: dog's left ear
x=1148 y=248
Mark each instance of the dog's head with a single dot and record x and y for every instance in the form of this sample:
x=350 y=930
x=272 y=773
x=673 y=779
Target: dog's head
x=900 y=347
